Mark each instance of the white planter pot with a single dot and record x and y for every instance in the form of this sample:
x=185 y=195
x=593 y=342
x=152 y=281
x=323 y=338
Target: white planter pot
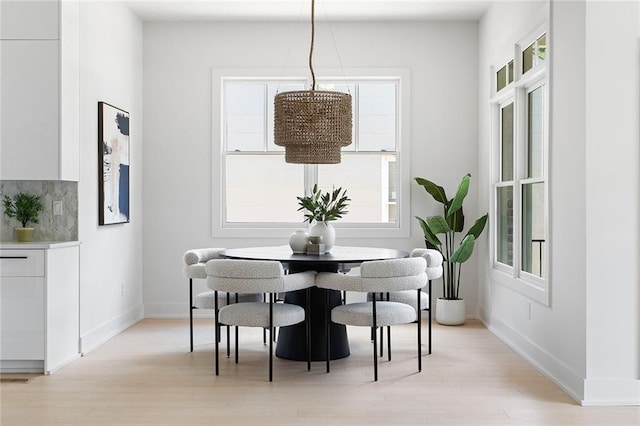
x=298 y=241
x=326 y=231
x=450 y=312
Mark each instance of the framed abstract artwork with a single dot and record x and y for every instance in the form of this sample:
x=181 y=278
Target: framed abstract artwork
x=113 y=165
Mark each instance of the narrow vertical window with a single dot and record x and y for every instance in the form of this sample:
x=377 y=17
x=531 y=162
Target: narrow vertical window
x=535 y=123
x=505 y=225
x=506 y=142
x=504 y=195
x=533 y=192
x=533 y=228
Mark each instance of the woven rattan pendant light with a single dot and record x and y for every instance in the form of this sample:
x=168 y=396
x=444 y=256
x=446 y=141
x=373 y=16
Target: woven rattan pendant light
x=313 y=125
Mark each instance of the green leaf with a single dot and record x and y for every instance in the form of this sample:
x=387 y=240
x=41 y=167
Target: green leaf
x=464 y=250
x=429 y=237
x=478 y=227
x=436 y=191
x=456 y=222
x=438 y=225
x=461 y=193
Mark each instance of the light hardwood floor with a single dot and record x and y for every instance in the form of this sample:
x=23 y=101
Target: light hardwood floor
x=146 y=375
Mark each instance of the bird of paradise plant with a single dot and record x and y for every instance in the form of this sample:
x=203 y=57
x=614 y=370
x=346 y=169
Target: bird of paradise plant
x=448 y=225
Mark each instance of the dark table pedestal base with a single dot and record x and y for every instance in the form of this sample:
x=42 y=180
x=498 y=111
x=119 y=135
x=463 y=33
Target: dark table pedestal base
x=292 y=340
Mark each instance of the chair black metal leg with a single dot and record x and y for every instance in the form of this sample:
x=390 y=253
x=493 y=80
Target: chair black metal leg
x=375 y=343
x=264 y=330
x=191 y=312
x=373 y=330
x=236 y=344
x=216 y=326
x=308 y=321
x=429 y=326
x=420 y=331
x=429 y=317
x=388 y=343
x=271 y=340
x=327 y=326
x=228 y=334
x=382 y=332
x=236 y=335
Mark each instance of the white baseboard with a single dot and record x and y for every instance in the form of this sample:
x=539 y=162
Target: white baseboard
x=611 y=392
x=588 y=392
x=101 y=334
x=21 y=366
x=53 y=368
x=558 y=372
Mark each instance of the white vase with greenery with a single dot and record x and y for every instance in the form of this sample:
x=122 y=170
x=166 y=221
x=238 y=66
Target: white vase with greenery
x=321 y=208
x=326 y=231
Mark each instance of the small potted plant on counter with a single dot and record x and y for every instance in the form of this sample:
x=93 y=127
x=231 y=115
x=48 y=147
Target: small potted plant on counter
x=322 y=208
x=25 y=208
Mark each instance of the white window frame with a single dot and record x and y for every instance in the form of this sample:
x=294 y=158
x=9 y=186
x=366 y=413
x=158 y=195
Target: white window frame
x=497 y=181
x=222 y=229
x=530 y=285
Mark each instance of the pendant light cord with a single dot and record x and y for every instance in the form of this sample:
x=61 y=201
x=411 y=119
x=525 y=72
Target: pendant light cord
x=313 y=32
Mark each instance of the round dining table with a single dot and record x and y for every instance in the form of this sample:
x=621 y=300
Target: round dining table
x=291 y=339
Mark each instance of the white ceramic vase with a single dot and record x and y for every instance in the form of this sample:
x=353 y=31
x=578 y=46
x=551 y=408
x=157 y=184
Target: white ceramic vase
x=326 y=231
x=298 y=241
x=450 y=312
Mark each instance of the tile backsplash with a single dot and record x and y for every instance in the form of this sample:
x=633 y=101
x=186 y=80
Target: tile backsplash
x=50 y=227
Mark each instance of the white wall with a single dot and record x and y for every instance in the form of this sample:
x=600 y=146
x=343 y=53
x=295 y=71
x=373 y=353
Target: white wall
x=178 y=60
x=612 y=203
x=111 y=256
x=583 y=340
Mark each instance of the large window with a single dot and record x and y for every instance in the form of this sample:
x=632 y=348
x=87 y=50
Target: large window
x=258 y=189
x=520 y=233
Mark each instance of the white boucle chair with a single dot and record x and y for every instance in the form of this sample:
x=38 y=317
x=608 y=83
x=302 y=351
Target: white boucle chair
x=434 y=270
x=194 y=268
x=266 y=277
x=378 y=276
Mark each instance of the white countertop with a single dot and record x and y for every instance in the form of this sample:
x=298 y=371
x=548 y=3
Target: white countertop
x=34 y=245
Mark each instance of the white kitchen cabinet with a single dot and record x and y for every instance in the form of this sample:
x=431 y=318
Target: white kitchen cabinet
x=29 y=108
x=39 y=82
x=39 y=306
x=29 y=20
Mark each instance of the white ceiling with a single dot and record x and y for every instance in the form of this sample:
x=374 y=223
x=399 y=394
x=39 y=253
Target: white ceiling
x=334 y=10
